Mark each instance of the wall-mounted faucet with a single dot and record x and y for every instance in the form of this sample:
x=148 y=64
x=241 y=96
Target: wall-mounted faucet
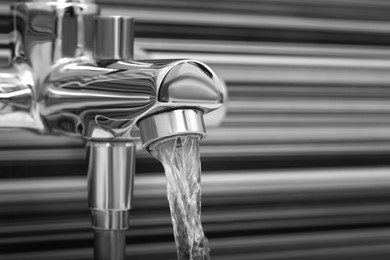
x=73 y=73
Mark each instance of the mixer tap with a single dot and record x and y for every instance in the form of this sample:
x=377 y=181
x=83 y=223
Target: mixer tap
x=73 y=73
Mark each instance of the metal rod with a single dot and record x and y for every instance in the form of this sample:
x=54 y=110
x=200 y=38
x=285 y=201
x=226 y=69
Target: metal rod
x=110 y=183
x=109 y=244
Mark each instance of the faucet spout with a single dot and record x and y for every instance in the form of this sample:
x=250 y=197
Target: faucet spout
x=171 y=123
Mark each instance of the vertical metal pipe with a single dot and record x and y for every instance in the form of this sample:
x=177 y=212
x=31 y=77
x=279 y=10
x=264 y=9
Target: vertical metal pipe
x=110 y=189
x=109 y=244
x=110 y=183
x=114 y=38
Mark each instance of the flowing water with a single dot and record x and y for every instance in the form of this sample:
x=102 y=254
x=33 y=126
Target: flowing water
x=181 y=161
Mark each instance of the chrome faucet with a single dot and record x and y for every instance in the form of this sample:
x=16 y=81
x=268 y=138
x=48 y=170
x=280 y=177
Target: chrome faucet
x=73 y=73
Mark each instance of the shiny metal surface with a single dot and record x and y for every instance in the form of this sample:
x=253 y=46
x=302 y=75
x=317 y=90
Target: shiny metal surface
x=114 y=39
x=110 y=183
x=70 y=76
x=76 y=95
x=110 y=219
x=109 y=244
x=106 y=100
x=67 y=92
x=172 y=123
x=47 y=31
x=17 y=98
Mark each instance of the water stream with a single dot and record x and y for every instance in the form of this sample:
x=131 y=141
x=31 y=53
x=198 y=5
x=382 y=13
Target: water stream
x=181 y=161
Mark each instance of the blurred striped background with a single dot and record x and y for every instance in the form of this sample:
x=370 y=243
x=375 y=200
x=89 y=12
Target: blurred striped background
x=299 y=169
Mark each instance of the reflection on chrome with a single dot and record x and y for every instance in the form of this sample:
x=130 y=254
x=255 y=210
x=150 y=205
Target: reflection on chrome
x=107 y=99
x=99 y=98
x=60 y=82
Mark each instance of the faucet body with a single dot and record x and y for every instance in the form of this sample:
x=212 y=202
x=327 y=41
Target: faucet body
x=106 y=100
x=76 y=89
x=39 y=34
x=73 y=74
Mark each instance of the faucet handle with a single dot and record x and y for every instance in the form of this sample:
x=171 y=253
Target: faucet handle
x=114 y=38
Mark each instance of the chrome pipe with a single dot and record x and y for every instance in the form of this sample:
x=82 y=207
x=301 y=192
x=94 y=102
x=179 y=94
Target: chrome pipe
x=114 y=38
x=109 y=244
x=110 y=183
